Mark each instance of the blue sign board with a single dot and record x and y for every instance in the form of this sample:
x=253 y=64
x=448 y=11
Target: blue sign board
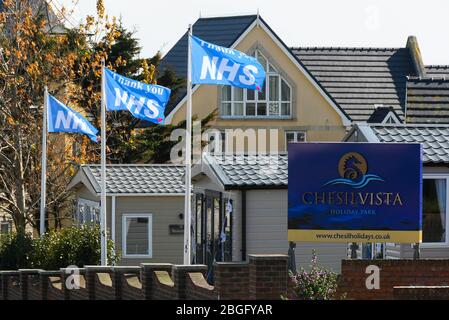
x=355 y=192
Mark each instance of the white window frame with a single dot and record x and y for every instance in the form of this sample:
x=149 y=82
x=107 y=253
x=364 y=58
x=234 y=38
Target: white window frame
x=90 y=203
x=295 y=132
x=150 y=235
x=245 y=100
x=446 y=243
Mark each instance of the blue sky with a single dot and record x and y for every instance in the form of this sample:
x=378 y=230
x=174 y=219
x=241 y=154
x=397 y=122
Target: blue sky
x=366 y=23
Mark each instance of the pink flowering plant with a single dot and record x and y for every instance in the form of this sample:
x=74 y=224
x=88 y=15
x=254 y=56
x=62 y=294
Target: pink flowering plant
x=317 y=284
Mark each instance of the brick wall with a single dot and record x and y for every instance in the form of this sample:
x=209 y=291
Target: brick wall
x=128 y=283
x=232 y=280
x=393 y=273
x=151 y=281
x=421 y=293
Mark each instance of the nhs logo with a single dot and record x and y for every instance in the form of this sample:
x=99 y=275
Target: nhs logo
x=213 y=64
x=61 y=118
x=144 y=101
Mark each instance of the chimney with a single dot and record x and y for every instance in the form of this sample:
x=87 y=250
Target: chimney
x=413 y=47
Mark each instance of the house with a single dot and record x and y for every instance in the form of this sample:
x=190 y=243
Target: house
x=434 y=139
x=241 y=208
x=145 y=205
x=311 y=93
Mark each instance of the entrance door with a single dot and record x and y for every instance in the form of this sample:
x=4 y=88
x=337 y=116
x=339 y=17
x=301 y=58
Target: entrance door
x=213 y=221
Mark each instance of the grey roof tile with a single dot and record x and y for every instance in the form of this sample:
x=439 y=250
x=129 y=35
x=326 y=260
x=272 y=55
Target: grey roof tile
x=428 y=101
x=434 y=139
x=360 y=78
x=250 y=171
x=133 y=179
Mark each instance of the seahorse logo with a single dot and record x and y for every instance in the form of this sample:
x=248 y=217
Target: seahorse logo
x=353 y=169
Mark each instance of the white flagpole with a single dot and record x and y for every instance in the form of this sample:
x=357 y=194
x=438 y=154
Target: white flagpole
x=44 y=164
x=103 y=171
x=187 y=204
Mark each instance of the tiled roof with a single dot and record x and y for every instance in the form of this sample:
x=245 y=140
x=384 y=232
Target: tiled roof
x=237 y=171
x=137 y=179
x=223 y=31
x=428 y=101
x=437 y=71
x=434 y=139
x=360 y=78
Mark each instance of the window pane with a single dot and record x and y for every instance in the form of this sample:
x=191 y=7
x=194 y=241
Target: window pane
x=250 y=109
x=285 y=108
x=226 y=93
x=285 y=91
x=238 y=94
x=261 y=109
x=262 y=93
x=434 y=210
x=274 y=109
x=300 y=136
x=250 y=95
x=226 y=109
x=137 y=236
x=262 y=60
x=290 y=136
x=272 y=69
x=274 y=88
x=238 y=109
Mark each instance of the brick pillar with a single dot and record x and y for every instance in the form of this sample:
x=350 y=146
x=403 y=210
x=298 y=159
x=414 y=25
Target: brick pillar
x=232 y=280
x=117 y=275
x=24 y=274
x=267 y=276
x=146 y=276
x=4 y=285
x=44 y=275
x=91 y=272
x=67 y=272
x=179 y=276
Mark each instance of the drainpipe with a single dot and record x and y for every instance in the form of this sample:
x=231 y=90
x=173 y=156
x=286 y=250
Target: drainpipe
x=243 y=225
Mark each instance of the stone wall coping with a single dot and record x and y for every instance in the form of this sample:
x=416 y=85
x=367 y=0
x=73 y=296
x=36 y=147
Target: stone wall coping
x=123 y=269
x=10 y=272
x=232 y=264
x=268 y=256
x=194 y=267
x=30 y=271
x=106 y=269
x=50 y=272
x=153 y=266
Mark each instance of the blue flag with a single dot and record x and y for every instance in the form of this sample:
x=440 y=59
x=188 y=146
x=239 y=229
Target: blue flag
x=212 y=64
x=144 y=101
x=63 y=119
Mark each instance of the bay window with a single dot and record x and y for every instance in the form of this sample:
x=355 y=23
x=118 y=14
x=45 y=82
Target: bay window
x=274 y=100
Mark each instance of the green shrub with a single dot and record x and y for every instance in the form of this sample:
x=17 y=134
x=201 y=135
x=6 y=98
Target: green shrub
x=316 y=284
x=15 y=249
x=78 y=246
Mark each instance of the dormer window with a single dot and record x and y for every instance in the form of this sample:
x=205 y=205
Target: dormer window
x=273 y=101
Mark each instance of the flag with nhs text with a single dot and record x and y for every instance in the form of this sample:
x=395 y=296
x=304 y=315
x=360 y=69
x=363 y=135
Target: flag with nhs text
x=144 y=101
x=213 y=64
x=63 y=119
